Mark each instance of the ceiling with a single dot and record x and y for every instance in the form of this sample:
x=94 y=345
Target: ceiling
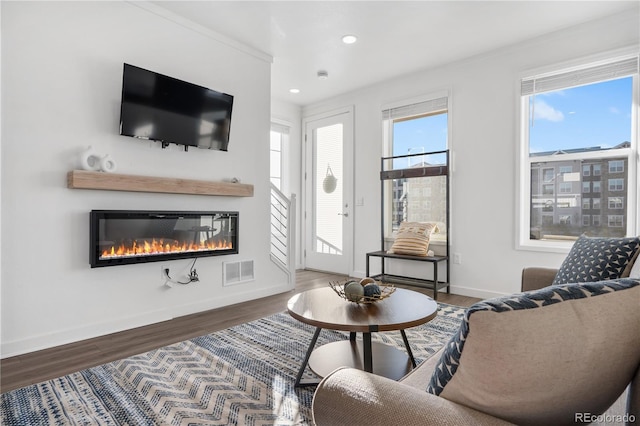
x=394 y=37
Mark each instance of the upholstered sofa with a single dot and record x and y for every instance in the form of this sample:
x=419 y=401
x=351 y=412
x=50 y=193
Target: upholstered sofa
x=554 y=354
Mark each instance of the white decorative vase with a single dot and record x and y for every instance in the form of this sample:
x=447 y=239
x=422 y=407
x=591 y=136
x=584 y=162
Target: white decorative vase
x=108 y=164
x=89 y=160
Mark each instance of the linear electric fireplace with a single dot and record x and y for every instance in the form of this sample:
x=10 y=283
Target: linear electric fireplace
x=120 y=237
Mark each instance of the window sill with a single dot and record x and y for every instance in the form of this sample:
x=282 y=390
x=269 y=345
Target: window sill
x=548 y=246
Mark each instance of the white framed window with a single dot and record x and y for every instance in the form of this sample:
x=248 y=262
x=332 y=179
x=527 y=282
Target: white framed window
x=416 y=126
x=616 y=166
x=564 y=187
x=586 y=204
x=616 y=220
x=581 y=118
x=615 y=203
x=278 y=141
x=586 y=187
x=616 y=185
x=565 y=220
x=597 y=170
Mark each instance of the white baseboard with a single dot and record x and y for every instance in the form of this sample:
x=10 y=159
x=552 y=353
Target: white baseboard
x=75 y=334
x=357 y=274
x=455 y=289
x=474 y=292
x=250 y=294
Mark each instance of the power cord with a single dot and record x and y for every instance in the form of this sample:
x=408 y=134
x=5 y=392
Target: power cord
x=193 y=274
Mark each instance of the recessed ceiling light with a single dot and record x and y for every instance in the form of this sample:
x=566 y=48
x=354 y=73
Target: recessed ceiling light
x=349 y=39
x=294 y=90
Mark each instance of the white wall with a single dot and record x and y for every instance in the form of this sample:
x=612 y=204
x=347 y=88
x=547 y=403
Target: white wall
x=484 y=143
x=61 y=82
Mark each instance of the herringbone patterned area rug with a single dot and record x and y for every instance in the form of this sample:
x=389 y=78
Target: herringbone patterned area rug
x=243 y=375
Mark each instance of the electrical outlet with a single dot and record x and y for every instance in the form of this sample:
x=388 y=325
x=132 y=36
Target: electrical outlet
x=164 y=275
x=457 y=258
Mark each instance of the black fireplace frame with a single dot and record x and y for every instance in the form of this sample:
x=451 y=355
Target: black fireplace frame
x=94 y=230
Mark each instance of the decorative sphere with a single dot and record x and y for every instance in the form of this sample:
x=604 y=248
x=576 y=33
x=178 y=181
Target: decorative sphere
x=353 y=291
x=371 y=290
x=366 y=281
x=349 y=282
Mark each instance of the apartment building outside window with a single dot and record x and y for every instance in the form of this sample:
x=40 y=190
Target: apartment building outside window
x=579 y=136
x=565 y=188
x=565 y=170
x=596 y=169
x=413 y=127
x=616 y=166
x=615 y=203
x=616 y=185
x=586 y=187
x=595 y=203
x=616 y=220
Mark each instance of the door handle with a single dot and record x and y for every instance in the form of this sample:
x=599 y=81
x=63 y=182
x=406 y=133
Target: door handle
x=343 y=214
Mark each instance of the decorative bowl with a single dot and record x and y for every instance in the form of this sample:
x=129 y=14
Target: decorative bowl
x=385 y=291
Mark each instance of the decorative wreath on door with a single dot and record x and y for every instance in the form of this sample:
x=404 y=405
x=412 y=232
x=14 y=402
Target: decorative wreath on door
x=330 y=181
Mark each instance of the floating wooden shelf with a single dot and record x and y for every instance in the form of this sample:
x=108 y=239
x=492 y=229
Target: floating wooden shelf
x=81 y=179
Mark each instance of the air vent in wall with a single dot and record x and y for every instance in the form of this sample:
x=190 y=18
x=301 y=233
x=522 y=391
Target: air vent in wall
x=237 y=272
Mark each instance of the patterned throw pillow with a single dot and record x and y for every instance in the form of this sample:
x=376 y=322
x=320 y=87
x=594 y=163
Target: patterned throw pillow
x=413 y=238
x=631 y=265
x=540 y=357
x=596 y=259
x=635 y=270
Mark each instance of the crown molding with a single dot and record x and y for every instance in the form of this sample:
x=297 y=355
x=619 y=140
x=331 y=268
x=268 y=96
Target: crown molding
x=189 y=24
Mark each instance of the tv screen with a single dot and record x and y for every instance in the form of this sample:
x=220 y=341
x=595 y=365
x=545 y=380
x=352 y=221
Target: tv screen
x=168 y=110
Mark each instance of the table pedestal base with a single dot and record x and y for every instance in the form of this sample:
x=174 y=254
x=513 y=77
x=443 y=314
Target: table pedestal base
x=387 y=360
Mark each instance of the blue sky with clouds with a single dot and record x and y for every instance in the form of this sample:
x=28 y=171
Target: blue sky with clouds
x=426 y=134
x=580 y=117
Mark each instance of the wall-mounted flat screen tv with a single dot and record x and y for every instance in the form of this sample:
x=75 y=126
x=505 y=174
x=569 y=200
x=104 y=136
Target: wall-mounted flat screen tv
x=169 y=110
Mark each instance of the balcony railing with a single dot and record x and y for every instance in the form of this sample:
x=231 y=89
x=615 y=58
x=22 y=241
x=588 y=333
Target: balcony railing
x=283 y=231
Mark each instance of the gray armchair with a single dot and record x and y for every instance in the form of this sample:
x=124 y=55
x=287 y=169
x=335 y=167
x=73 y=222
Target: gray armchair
x=536 y=278
x=557 y=363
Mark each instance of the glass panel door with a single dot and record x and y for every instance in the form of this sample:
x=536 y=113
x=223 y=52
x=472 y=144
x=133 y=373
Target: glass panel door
x=329 y=180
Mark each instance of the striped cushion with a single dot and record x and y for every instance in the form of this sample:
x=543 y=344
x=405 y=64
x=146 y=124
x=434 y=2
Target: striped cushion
x=413 y=238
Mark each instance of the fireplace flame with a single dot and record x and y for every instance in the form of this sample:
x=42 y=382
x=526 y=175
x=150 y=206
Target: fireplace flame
x=161 y=246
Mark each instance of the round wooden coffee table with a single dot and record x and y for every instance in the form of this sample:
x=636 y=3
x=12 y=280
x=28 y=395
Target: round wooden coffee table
x=323 y=308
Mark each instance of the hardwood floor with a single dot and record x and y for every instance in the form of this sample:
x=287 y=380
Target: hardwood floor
x=35 y=367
